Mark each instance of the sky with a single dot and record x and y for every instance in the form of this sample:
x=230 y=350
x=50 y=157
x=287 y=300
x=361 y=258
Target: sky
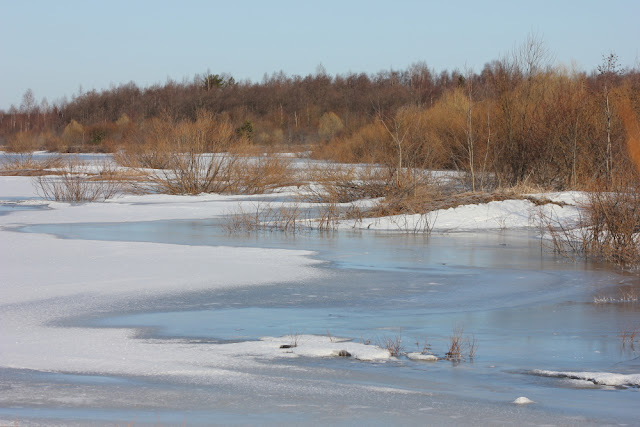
x=58 y=48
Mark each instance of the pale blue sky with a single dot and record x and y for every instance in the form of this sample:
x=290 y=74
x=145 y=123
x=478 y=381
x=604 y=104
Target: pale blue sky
x=56 y=46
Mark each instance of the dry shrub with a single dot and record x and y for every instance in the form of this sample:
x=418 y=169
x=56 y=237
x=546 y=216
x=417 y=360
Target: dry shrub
x=269 y=136
x=392 y=344
x=78 y=183
x=632 y=130
x=613 y=220
x=148 y=147
x=260 y=175
x=23 y=142
x=366 y=145
x=329 y=125
x=195 y=173
x=157 y=140
x=416 y=199
x=198 y=157
x=609 y=229
x=343 y=184
x=329 y=217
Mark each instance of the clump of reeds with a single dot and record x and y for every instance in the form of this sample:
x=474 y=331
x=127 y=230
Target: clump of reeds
x=461 y=347
x=628 y=336
x=629 y=295
x=266 y=217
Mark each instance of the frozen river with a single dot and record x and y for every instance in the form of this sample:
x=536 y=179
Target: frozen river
x=526 y=309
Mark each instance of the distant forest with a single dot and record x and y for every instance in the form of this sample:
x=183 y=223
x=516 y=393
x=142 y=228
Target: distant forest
x=517 y=118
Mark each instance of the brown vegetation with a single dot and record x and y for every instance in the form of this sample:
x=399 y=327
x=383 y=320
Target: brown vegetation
x=516 y=120
x=609 y=229
x=461 y=347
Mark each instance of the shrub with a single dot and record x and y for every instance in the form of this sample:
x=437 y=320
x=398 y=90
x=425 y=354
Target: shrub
x=77 y=184
x=392 y=344
x=461 y=347
x=613 y=220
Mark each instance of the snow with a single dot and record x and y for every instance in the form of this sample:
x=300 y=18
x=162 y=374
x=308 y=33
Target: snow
x=423 y=357
x=498 y=215
x=321 y=346
x=598 y=378
x=523 y=401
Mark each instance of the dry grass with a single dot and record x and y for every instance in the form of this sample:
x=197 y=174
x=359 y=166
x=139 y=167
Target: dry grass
x=264 y=217
x=25 y=164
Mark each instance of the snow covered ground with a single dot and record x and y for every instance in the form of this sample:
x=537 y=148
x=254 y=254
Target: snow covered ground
x=498 y=215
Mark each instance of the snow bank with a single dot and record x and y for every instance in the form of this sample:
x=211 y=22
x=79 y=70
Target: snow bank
x=599 y=378
x=498 y=215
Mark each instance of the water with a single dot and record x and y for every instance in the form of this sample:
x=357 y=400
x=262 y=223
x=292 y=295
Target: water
x=525 y=308
x=7 y=206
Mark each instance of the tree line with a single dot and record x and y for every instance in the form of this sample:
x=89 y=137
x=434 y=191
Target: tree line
x=516 y=120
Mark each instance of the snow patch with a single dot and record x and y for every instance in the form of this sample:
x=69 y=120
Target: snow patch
x=421 y=356
x=598 y=378
x=523 y=401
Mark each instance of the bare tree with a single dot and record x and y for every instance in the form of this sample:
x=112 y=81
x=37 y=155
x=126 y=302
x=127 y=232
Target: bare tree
x=398 y=132
x=608 y=70
x=28 y=105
